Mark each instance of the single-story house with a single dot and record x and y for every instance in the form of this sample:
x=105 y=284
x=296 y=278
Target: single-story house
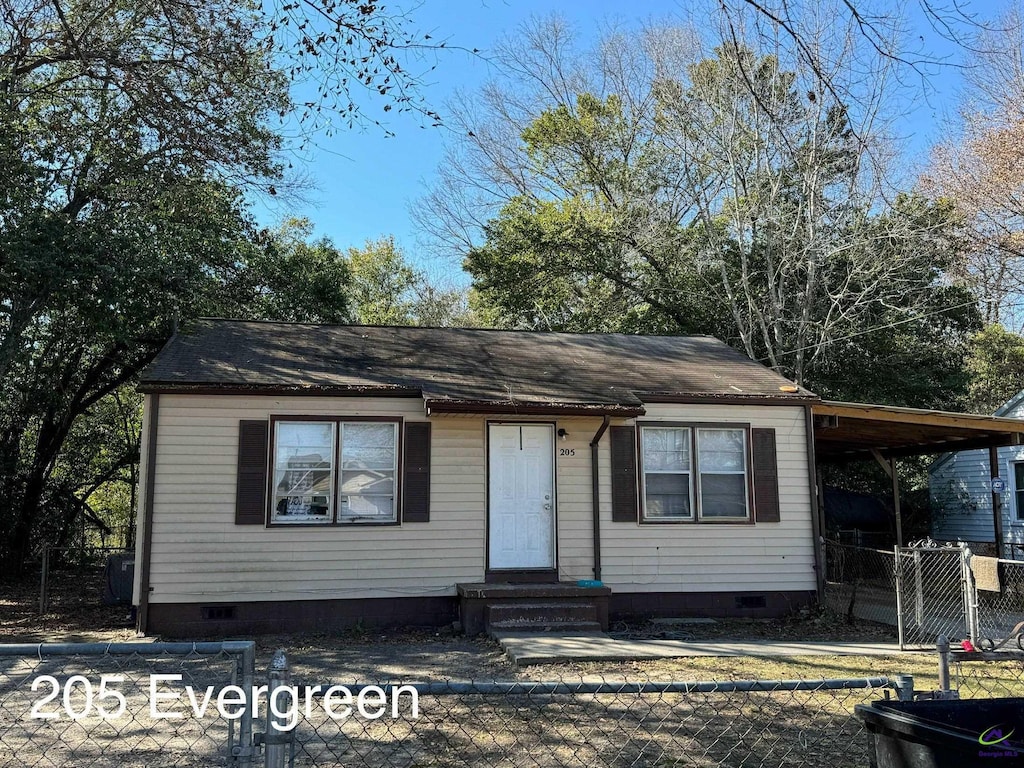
x=315 y=477
x=961 y=490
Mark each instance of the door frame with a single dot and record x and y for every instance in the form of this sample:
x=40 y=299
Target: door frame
x=521 y=575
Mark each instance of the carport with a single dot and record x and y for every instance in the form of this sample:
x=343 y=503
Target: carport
x=856 y=431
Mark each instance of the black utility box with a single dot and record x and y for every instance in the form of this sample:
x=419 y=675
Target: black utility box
x=955 y=733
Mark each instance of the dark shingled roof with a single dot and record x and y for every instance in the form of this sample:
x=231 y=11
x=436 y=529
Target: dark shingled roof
x=454 y=368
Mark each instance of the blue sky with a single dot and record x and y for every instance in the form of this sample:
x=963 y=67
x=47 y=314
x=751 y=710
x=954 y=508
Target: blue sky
x=364 y=181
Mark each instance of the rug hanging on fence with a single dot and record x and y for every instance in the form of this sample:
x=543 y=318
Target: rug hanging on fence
x=986 y=573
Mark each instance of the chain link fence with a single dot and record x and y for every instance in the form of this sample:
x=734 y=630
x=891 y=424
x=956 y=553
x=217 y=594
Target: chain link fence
x=89 y=705
x=1000 y=611
x=77 y=579
x=101 y=706
x=860 y=583
x=584 y=723
x=931 y=589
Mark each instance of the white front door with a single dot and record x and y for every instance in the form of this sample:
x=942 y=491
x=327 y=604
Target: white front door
x=522 y=498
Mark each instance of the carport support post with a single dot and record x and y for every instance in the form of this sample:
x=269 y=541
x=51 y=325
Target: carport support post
x=896 y=501
x=889 y=467
x=997 y=500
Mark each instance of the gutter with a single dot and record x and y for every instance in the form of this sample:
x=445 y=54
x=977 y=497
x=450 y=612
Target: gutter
x=440 y=406
x=146 y=558
x=596 y=490
x=817 y=512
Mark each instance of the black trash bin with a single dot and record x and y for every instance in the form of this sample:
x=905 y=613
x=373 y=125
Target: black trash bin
x=946 y=734
x=119 y=578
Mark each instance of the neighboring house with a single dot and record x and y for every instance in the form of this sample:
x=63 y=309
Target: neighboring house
x=302 y=476
x=960 y=486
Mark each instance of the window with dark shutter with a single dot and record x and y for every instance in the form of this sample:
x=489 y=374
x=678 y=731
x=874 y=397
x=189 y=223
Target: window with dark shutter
x=251 y=491
x=765 y=475
x=416 y=473
x=625 y=507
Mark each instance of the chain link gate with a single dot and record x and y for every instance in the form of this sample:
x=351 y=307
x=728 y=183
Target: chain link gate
x=934 y=594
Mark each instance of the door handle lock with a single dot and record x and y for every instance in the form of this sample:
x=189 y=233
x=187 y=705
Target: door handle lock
x=547 y=506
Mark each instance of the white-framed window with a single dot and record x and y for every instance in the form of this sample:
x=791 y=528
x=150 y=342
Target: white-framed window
x=334 y=471
x=694 y=473
x=722 y=456
x=1018 y=490
x=668 y=473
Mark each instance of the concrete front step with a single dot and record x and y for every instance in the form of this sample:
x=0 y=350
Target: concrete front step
x=556 y=627
x=540 y=613
x=486 y=608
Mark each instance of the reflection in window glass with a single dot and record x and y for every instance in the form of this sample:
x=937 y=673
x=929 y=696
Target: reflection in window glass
x=369 y=462
x=303 y=472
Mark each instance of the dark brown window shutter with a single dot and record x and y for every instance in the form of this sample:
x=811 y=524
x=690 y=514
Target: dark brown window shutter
x=766 y=476
x=625 y=504
x=251 y=492
x=416 y=473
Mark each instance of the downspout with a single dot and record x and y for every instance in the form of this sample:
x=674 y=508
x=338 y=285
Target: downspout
x=596 y=506
x=147 y=533
x=816 y=511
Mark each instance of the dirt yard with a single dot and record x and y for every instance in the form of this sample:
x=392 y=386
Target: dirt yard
x=528 y=729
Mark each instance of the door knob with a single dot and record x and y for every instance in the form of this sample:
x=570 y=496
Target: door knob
x=547 y=506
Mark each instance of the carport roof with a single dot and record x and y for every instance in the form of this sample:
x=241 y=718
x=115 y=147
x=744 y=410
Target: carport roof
x=854 y=430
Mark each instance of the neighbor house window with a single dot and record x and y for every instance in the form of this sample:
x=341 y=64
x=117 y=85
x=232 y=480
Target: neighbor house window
x=335 y=471
x=694 y=473
x=1018 y=488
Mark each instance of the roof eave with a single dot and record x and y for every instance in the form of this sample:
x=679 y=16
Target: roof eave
x=337 y=390
x=530 y=408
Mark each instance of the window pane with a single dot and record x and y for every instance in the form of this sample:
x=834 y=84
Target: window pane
x=667 y=496
x=720 y=450
x=369 y=446
x=307 y=443
x=666 y=449
x=303 y=471
x=365 y=481
x=723 y=496
x=380 y=508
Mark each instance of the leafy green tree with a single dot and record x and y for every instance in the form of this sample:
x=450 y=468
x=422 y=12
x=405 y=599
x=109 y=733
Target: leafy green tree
x=383 y=284
x=388 y=290
x=128 y=134
x=715 y=195
x=995 y=364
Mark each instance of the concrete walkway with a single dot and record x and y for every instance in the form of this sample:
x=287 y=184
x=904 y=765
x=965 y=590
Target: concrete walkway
x=550 y=648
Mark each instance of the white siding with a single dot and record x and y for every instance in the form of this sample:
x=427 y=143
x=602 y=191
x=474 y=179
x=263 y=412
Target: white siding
x=200 y=555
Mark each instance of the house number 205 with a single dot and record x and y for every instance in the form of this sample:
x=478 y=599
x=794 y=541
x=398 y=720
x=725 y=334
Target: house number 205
x=566 y=451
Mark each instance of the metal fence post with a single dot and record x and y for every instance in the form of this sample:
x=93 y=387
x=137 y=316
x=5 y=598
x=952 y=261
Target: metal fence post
x=942 y=646
x=905 y=687
x=243 y=751
x=970 y=596
x=278 y=735
x=898 y=574
x=44 y=578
